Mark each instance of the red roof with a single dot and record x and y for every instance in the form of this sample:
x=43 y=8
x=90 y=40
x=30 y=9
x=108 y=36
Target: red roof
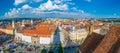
x=9 y=27
x=1 y=33
x=40 y=30
x=37 y=32
x=28 y=22
x=67 y=29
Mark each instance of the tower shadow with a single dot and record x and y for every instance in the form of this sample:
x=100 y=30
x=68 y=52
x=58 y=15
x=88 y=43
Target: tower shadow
x=56 y=45
x=70 y=46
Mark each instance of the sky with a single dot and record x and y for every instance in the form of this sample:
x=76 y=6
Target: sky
x=60 y=8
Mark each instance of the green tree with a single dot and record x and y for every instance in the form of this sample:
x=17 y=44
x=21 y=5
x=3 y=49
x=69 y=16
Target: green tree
x=50 y=51
x=60 y=49
x=44 y=50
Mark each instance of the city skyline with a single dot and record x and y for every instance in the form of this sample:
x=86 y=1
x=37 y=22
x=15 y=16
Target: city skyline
x=60 y=8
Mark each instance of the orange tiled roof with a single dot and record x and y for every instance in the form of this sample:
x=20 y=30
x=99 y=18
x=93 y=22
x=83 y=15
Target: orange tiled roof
x=28 y=22
x=78 y=27
x=1 y=33
x=47 y=26
x=35 y=32
x=67 y=29
x=66 y=23
x=87 y=24
x=9 y=27
x=40 y=30
x=97 y=23
x=2 y=27
x=29 y=32
x=18 y=25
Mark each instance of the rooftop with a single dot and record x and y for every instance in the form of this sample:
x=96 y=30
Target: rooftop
x=42 y=30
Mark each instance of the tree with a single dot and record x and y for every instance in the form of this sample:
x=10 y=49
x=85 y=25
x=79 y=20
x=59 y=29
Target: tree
x=60 y=49
x=44 y=50
x=50 y=51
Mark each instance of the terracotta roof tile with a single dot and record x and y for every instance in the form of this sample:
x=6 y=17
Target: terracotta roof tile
x=9 y=27
x=40 y=30
x=111 y=42
x=91 y=42
x=1 y=33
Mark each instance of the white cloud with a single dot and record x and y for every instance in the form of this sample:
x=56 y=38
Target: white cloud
x=36 y=12
x=110 y=16
x=17 y=2
x=74 y=8
x=78 y=10
x=66 y=14
x=50 y=8
x=37 y=0
x=26 y=7
x=88 y=0
x=57 y=1
x=81 y=11
x=49 y=5
x=13 y=12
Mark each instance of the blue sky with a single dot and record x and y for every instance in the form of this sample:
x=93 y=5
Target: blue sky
x=60 y=8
